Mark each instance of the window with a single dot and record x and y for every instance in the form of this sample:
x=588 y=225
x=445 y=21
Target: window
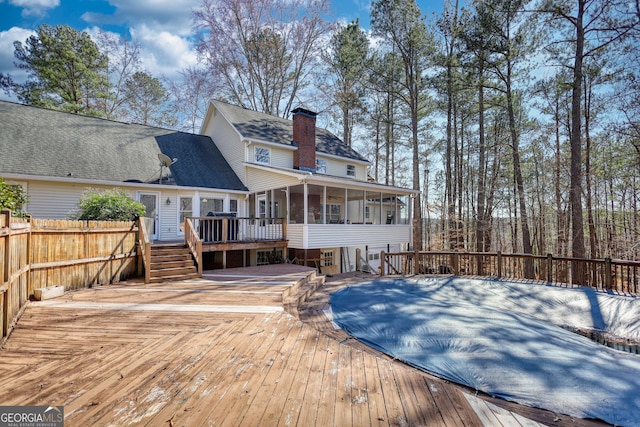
x=327 y=258
x=334 y=214
x=186 y=210
x=367 y=213
x=262 y=155
x=351 y=170
x=233 y=206
x=209 y=207
x=321 y=166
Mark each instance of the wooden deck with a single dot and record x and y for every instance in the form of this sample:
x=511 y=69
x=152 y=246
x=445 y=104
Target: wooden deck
x=222 y=350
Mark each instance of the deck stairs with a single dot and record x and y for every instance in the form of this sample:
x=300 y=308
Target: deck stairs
x=171 y=261
x=301 y=291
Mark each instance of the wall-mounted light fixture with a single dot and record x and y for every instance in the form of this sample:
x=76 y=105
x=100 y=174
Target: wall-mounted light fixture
x=168 y=201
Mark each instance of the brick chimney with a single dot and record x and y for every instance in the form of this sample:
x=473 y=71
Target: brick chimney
x=304 y=136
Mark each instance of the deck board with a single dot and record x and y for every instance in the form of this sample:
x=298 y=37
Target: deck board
x=136 y=354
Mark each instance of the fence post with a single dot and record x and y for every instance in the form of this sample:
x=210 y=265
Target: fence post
x=455 y=261
x=549 y=268
x=499 y=259
x=416 y=262
x=608 y=278
x=383 y=261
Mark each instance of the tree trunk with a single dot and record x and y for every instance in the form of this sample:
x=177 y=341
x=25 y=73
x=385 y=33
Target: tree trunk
x=575 y=190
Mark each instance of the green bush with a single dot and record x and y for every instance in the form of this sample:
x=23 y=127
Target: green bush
x=109 y=205
x=12 y=197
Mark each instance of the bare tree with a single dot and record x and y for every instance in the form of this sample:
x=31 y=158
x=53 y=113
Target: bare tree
x=190 y=97
x=123 y=60
x=262 y=50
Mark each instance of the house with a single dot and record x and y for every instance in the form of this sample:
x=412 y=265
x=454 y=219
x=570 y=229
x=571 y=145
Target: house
x=314 y=181
x=257 y=188
x=56 y=156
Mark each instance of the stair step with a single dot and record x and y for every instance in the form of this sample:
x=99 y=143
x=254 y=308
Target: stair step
x=161 y=264
x=158 y=272
x=170 y=258
x=161 y=279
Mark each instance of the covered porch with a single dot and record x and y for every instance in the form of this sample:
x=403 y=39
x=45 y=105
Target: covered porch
x=324 y=212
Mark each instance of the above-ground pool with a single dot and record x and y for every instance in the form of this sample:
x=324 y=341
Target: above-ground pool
x=510 y=340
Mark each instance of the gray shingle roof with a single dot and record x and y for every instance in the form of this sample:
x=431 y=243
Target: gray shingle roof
x=260 y=126
x=37 y=141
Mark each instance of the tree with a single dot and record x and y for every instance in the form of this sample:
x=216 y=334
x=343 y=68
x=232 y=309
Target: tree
x=400 y=24
x=123 y=60
x=66 y=70
x=589 y=25
x=347 y=62
x=190 y=97
x=108 y=205
x=145 y=97
x=262 y=50
x=12 y=197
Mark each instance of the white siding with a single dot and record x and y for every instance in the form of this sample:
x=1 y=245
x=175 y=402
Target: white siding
x=313 y=236
x=228 y=142
x=260 y=180
x=279 y=157
x=337 y=167
x=52 y=200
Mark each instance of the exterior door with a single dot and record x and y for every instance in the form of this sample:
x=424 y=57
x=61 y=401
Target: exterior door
x=150 y=202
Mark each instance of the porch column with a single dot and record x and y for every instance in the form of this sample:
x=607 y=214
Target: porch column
x=364 y=207
x=306 y=203
x=324 y=204
x=288 y=220
x=346 y=207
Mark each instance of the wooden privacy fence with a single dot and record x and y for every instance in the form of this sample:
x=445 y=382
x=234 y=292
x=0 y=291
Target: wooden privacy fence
x=602 y=274
x=38 y=253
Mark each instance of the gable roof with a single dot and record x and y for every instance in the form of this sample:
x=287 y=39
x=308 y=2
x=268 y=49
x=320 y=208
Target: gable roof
x=41 y=142
x=264 y=127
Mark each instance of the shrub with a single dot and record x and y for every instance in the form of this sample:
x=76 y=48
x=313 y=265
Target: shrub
x=12 y=197
x=109 y=205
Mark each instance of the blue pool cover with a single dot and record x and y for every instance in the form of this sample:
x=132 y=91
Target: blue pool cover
x=507 y=339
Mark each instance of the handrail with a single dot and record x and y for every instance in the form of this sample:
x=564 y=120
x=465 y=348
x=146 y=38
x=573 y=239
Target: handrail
x=193 y=242
x=225 y=229
x=144 y=245
x=603 y=274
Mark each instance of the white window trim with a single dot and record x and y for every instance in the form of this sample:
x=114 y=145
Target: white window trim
x=351 y=167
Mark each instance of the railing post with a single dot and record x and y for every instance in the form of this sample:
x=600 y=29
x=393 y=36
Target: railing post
x=455 y=261
x=383 y=261
x=225 y=229
x=416 y=262
x=357 y=259
x=499 y=259
x=549 y=268
x=608 y=278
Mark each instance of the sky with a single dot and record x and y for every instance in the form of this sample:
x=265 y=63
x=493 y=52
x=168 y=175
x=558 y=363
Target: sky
x=162 y=28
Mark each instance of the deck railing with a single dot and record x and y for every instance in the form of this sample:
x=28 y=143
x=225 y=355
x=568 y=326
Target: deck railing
x=223 y=229
x=602 y=274
x=144 y=248
x=194 y=243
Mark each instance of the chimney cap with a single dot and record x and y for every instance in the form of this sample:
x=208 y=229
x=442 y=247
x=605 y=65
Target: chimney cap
x=305 y=112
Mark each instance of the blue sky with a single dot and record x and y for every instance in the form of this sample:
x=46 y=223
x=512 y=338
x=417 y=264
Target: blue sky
x=162 y=28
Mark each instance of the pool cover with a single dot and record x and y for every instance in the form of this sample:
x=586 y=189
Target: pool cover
x=507 y=339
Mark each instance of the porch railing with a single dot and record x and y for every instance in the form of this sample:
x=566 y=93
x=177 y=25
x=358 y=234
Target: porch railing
x=223 y=229
x=194 y=243
x=144 y=247
x=602 y=274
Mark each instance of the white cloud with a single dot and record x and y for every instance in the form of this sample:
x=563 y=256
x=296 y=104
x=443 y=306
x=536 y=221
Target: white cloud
x=163 y=53
x=7 y=57
x=35 y=7
x=163 y=15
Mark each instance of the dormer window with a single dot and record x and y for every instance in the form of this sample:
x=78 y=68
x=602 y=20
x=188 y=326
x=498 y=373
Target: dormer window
x=321 y=166
x=351 y=170
x=262 y=155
